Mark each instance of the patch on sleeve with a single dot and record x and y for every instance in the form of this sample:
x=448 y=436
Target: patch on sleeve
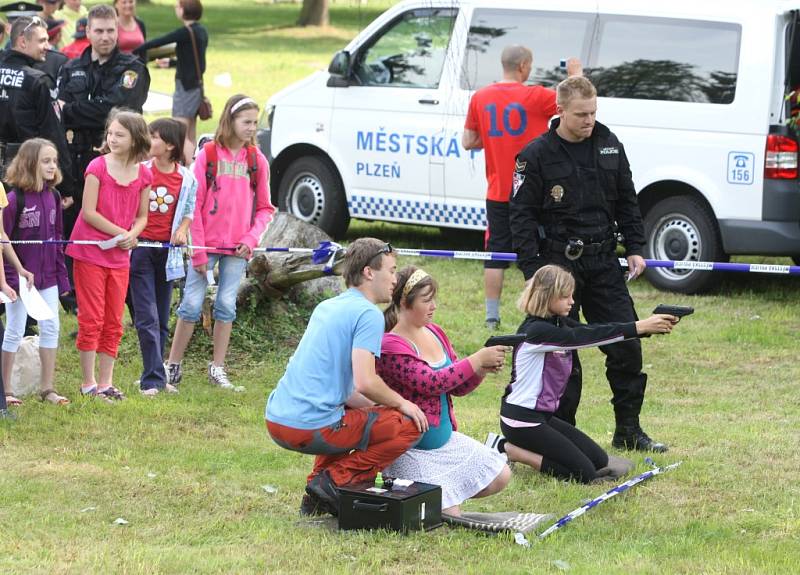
x=520 y=166
x=129 y=79
x=519 y=179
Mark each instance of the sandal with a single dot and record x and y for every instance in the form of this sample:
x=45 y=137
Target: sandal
x=11 y=400
x=111 y=393
x=53 y=397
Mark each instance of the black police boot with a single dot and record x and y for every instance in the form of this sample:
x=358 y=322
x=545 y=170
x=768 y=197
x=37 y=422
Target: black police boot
x=630 y=435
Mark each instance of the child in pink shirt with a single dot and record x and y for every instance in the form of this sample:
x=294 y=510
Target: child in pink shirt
x=115 y=203
x=230 y=217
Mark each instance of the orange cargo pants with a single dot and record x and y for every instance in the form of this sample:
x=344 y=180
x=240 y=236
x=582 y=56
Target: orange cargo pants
x=354 y=449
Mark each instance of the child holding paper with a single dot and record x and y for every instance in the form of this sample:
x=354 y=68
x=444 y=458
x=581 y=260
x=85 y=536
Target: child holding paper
x=34 y=213
x=116 y=197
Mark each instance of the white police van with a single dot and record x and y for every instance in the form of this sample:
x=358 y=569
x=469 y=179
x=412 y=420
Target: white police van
x=695 y=91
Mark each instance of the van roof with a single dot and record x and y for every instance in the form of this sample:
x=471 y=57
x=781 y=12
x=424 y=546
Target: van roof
x=714 y=9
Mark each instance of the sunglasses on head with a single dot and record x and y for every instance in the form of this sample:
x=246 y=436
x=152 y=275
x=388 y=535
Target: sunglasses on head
x=35 y=21
x=386 y=249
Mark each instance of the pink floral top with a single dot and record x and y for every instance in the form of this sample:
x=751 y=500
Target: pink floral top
x=413 y=378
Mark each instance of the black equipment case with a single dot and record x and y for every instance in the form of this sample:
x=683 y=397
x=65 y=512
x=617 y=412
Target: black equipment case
x=413 y=508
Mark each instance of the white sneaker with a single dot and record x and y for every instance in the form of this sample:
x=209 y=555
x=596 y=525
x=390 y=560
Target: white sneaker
x=493 y=440
x=217 y=376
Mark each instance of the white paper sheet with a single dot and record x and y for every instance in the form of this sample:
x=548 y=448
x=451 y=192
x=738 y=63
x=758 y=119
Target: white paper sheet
x=4 y=298
x=110 y=243
x=34 y=303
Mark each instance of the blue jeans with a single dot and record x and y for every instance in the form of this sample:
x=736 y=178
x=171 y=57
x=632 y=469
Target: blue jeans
x=231 y=271
x=151 y=295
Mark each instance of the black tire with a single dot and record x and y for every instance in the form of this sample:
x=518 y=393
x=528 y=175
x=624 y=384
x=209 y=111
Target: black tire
x=682 y=228
x=312 y=191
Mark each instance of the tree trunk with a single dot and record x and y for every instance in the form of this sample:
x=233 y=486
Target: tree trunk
x=314 y=13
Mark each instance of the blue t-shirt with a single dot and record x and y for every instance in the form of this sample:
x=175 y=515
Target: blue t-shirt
x=319 y=376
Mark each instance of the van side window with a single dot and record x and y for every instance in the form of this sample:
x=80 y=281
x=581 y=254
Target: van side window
x=665 y=59
x=551 y=36
x=410 y=53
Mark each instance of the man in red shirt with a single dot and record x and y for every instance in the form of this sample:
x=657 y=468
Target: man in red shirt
x=502 y=119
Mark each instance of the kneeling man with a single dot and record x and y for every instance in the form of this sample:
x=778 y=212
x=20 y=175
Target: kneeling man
x=325 y=402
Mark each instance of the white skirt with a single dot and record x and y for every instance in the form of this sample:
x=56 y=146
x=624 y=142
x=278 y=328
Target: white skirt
x=462 y=466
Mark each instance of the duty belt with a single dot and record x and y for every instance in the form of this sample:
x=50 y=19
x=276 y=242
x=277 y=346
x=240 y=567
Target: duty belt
x=574 y=248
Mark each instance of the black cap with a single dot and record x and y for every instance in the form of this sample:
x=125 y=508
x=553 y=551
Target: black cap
x=80 y=28
x=16 y=10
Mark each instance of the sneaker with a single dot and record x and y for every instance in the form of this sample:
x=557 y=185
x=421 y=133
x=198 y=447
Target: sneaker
x=169 y=388
x=217 y=376
x=152 y=392
x=493 y=323
x=493 y=441
x=7 y=415
x=324 y=489
x=174 y=373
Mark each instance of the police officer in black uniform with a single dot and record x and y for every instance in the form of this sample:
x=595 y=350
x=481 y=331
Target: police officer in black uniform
x=27 y=109
x=573 y=194
x=102 y=78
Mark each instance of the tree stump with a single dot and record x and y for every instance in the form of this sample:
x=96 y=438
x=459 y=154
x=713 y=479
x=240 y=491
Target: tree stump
x=274 y=275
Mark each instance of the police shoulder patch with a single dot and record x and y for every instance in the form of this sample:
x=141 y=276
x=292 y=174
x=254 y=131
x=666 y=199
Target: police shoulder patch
x=519 y=179
x=129 y=79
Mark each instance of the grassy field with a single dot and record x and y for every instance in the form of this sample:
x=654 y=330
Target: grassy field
x=204 y=490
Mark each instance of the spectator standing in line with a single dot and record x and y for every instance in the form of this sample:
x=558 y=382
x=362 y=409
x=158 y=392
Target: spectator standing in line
x=191 y=39
x=88 y=88
x=80 y=42
x=71 y=12
x=132 y=31
x=502 y=118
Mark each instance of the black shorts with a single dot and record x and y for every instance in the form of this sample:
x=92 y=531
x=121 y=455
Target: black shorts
x=498 y=232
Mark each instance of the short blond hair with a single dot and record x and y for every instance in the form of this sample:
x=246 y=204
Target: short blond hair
x=548 y=282
x=574 y=87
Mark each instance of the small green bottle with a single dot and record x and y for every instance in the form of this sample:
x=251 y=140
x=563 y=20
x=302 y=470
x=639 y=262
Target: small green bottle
x=379 y=480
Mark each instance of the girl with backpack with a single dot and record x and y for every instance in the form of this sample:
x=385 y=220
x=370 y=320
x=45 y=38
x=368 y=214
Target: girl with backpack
x=171 y=209
x=34 y=213
x=232 y=212
x=116 y=197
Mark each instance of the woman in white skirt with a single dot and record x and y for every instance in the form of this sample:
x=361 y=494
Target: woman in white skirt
x=419 y=363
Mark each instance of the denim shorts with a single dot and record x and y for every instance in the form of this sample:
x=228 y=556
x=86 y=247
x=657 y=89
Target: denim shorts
x=231 y=271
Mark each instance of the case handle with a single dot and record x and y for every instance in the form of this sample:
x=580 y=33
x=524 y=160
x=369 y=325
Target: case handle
x=379 y=507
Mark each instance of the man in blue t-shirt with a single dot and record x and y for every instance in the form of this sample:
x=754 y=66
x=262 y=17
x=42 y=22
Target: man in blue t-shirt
x=325 y=403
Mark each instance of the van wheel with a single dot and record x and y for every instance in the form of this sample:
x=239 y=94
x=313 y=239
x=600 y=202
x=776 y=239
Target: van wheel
x=680 y=228
x=311 y=190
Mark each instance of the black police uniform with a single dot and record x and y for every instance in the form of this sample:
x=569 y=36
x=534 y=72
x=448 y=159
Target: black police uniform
x=27 y=110
x=569 y=202
x=53 y=62
x=89 y=91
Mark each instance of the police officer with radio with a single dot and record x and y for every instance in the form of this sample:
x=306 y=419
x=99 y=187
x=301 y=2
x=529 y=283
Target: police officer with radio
x=572 y=195
x=27 y=109
x=102 y=78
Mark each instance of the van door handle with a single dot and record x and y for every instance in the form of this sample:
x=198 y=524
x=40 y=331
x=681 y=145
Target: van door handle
x=428 y=101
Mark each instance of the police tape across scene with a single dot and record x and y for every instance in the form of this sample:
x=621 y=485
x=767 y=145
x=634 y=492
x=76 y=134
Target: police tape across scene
x=327 y=250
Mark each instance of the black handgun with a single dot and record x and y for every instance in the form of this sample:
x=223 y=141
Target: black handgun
x=507 y=340
x=677 y=310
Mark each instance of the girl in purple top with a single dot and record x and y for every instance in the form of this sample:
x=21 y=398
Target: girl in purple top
x=34 y=213
x=541 y=367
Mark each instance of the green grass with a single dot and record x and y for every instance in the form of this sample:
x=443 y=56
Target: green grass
x=187 y=472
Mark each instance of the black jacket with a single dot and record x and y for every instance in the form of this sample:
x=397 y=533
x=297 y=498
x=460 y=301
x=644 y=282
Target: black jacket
x=551 y=193
x=90 y=90
x=27 y=109
x=186 y=71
